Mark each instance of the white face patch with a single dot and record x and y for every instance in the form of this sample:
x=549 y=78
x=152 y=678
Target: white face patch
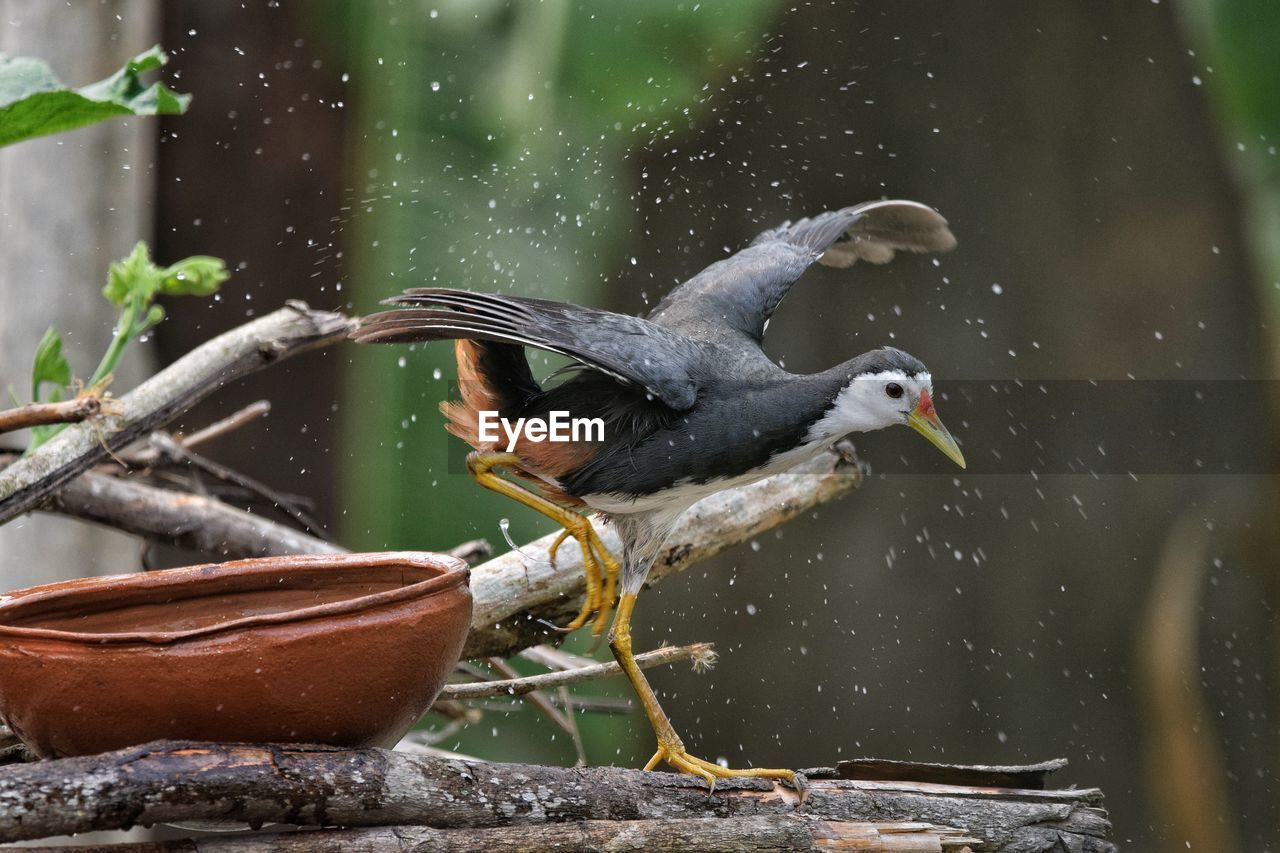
x=866 y=404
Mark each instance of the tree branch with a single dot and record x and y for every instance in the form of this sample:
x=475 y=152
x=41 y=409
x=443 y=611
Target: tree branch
x=229 y=356
x=193 y=521
x=230 y=423
x=166 y=782
x=179 y=518
x=701 y=653
x=40 y=414
x=520 y=595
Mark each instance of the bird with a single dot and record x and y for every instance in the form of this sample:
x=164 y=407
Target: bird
x=689 y=402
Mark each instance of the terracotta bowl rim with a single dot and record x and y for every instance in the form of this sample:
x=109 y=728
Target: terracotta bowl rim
x=456 y=573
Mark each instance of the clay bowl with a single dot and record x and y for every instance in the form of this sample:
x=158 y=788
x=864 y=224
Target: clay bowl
x=348 y=650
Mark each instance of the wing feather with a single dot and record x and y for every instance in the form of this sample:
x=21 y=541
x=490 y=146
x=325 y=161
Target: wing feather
x=742 y=291
x=630 y=350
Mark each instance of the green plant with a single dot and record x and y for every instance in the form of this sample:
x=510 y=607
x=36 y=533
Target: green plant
x=33 y=102
x=133 y=284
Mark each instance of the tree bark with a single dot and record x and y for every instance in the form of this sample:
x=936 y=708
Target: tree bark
x=706 y=835
x=191 y=521
x=167 y=782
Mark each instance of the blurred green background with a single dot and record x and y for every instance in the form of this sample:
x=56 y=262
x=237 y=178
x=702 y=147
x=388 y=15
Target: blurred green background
x=1111 y=173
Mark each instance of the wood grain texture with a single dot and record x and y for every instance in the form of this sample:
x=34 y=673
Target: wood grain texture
x=706 y=835
x=167 y=782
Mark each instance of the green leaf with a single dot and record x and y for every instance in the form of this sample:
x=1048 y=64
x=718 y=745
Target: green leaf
x=33 y=102
x=198 y=275
x=134 y=277
x=49 y=366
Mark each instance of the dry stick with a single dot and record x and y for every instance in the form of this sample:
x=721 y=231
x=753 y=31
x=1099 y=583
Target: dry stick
x=181 y=781
x=174 y=452
x=41 y=414
x=230 y=423
x=701 y=653
x=563 y=719
x=194 y=522
x=182 y=519
x=211 y=365
x=518 y=593
x=151 y=455
x=554 y=658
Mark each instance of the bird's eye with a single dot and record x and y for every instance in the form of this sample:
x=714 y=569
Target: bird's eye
x=893 y=389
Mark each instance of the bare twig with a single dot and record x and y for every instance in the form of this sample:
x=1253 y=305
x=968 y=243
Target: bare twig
x=230 y=423
x=701 y=653
x=563 y=719
x=554 y=658
x=241 y=351
x=456 y=712
x=182 y=519
x=165 y=782
x=150 y=455
x=176 y=452
x=40 y=414
x=473 y=552
x=192 y=521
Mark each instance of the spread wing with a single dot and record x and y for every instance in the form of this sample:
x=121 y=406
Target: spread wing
x=742 y=291
x=628 y=349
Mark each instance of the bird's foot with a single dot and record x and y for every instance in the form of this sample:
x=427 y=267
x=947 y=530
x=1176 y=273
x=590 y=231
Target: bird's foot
x=675 y=755
x=601 y=570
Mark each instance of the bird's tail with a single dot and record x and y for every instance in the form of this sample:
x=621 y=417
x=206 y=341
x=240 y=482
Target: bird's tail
x=492 y=377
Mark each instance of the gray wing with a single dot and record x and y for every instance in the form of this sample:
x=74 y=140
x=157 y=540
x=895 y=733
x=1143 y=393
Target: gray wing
x=742 y=291
x=631 y=350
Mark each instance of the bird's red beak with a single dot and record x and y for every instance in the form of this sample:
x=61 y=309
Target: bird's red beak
x=924 y=420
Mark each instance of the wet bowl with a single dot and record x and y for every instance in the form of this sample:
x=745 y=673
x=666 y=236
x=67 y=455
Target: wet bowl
x=348 y=650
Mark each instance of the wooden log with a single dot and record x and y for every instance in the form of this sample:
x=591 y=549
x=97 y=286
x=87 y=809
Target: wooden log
x=706 y=835
x=168 y=782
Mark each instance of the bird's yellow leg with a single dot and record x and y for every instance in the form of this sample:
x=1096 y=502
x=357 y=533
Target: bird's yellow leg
x=670 y=747
x=600 y=584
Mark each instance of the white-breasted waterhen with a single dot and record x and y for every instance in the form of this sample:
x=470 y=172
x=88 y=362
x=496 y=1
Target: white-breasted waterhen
x=690 y=402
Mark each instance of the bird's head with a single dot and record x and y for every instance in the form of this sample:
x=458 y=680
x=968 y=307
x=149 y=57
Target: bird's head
x=887 y=387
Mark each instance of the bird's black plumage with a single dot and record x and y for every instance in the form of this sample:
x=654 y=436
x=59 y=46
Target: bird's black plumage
x=687 y=394
x=628 y=349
